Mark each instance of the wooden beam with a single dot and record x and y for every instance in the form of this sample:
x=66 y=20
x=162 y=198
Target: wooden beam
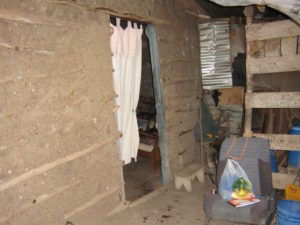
x=109 y=10
x=248 y=12
x=298 y=51
x=247 y=124
x=281 y=141
x=272 y=100
x=270 y=30
x=282 y=160
x=261 y=8
x=280 y=180
x=273 y=64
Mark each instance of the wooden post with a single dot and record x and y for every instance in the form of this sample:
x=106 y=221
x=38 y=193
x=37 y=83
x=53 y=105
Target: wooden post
x=272 y=48
x=248 y=12
x=160 y=113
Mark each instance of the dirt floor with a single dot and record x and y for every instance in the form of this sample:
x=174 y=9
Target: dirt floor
x=140 y=179
x=167 y=206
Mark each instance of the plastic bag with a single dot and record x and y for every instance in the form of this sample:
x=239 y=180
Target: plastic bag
x=234 y=176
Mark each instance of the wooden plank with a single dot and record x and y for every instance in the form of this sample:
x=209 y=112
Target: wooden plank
x=262 y=118
x=280 y=180
x=188 y=174
x=261 y=8
x=160 y=112
x=248 y=12
x=282 y=160
x=248 y=121
x=249 y=77
x=248 y=49
x=270 y=30
x=232 y=96
x=281 y=141
x=289 y=46
x=249 y=82
x=269 y=124
x=273 y=64
x=273 y=100
x=190 y=169
x=298 y=51
x=257 y=49
x=278 y=124
x=286 y=117
x=272 y=47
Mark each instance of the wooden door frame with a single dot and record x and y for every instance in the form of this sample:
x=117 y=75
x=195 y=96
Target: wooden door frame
x=159 y=104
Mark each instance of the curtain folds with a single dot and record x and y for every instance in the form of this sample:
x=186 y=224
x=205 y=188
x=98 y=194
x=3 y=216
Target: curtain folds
x=126 y=46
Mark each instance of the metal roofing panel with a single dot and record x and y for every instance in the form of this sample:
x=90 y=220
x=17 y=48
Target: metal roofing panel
x=215 y=55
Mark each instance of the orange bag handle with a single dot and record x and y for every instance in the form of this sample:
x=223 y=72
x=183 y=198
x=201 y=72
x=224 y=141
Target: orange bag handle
x=231 y=146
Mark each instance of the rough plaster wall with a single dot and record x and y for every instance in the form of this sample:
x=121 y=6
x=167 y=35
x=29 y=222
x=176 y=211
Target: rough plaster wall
x=58 y=155
x=59 y=161
x=179 y=65
x=179 y=87
x=178 y=49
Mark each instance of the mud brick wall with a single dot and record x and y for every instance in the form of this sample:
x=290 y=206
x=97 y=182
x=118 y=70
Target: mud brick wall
x=59 y=160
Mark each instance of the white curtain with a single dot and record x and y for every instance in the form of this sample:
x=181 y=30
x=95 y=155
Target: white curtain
x=126 y=46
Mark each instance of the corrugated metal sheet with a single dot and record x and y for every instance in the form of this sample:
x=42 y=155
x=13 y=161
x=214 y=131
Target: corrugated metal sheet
x=215 y=55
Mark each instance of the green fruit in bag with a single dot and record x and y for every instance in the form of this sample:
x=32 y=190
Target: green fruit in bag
x=241 y=188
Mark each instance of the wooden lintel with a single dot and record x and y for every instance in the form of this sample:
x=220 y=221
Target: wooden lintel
x=273 y=64
x=272 y=100
x=270 y=30
x=281 y=141
x=100 y=7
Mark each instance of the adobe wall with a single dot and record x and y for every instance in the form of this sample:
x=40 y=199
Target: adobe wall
x=59 y=160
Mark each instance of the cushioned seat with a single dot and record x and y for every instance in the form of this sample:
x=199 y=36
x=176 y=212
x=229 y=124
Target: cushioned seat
x=255 y=214
x=256 y=163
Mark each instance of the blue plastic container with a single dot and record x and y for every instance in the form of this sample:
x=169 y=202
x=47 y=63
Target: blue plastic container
x=294 y=156
x=273 y=161
x=288 y=212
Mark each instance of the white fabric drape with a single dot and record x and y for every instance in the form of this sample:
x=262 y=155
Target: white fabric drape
x=126 y=46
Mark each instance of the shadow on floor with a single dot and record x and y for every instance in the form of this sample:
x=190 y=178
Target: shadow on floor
x=140 y=179
x=168 y=207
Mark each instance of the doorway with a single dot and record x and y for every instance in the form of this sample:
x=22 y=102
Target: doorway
x=151 y=170
x=144 y=175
